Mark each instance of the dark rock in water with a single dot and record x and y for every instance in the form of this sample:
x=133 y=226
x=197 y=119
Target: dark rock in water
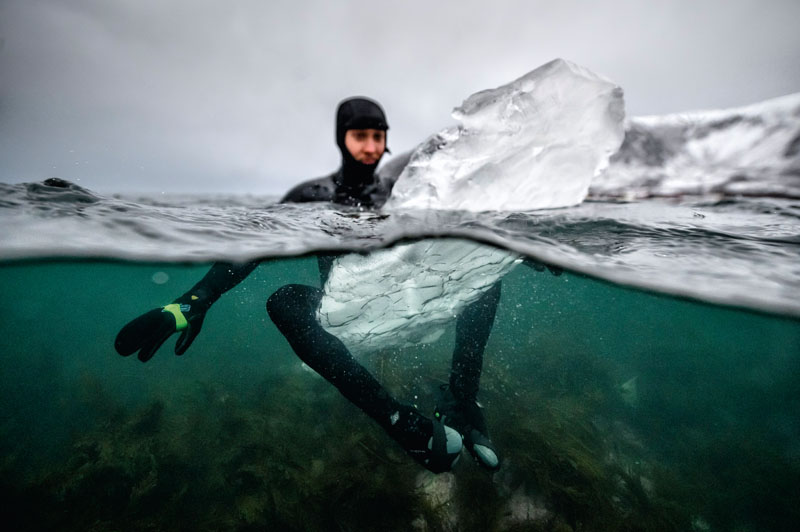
x=57 y=182
x=59 y=190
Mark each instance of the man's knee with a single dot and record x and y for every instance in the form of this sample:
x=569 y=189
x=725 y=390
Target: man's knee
x=291 y=304
x=275 y=303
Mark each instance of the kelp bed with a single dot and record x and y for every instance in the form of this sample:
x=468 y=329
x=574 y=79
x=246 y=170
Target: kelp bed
x=294 y=455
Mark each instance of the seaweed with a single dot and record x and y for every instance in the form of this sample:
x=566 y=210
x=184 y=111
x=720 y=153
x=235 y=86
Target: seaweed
x=296 y=456
x=589 y=441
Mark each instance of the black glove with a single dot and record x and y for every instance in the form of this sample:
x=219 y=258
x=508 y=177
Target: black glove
x=147 y=332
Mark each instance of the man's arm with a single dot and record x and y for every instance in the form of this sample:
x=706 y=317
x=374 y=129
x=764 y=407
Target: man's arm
x=225 y=275
x=220 y=278
x=320 y=189
x=185 y=314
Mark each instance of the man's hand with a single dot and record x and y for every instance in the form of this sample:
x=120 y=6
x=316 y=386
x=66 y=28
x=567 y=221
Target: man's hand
x=147 y=332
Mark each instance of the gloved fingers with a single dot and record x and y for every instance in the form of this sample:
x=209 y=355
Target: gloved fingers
x=154 y=342
x=188 y=335
x=138 y=332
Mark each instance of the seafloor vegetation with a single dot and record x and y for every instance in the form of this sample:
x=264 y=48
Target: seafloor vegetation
x=612 y=409
x=296 y=456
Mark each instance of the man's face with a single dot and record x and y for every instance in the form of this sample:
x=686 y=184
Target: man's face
x=365 y=145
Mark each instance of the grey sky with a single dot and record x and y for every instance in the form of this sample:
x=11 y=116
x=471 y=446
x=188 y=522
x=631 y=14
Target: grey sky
x=202 y=96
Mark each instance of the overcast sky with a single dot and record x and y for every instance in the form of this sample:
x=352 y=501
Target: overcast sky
x=211 y=96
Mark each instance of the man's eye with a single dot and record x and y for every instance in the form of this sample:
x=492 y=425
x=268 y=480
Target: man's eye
x=361 y=136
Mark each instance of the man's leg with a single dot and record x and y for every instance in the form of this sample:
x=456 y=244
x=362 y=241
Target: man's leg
x=458 y=404
x=472 y=332
x=293 y=310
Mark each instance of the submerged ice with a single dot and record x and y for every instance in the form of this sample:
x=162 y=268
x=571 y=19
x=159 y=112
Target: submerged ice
x=534 y=143
x=407 y=294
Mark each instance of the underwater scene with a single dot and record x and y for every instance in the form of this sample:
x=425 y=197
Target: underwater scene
x=635 y=282
x=612 y=409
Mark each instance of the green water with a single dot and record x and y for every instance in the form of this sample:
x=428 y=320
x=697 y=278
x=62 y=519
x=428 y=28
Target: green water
x=613 y=409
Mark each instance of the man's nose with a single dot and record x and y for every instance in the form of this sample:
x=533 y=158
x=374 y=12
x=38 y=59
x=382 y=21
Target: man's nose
x=371 y=146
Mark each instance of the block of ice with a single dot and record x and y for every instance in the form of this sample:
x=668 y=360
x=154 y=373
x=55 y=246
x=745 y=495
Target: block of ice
x=534 y=143
x=407 y=294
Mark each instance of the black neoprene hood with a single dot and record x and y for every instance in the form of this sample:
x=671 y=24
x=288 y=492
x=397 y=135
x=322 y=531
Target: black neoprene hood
x=358 y=113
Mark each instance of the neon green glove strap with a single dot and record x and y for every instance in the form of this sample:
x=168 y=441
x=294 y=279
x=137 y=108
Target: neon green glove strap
x=180 y=320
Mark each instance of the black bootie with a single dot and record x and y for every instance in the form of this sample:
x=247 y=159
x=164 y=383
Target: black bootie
x=466 y=417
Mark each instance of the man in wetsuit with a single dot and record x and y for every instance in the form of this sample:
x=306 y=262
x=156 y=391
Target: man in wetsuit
x=435 y=443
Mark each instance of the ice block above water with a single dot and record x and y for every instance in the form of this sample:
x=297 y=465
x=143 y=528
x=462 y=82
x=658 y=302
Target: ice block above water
x=534 y=143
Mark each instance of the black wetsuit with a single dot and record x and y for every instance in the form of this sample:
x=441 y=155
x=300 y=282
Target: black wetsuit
x=293 y=310
x=336 y=188
x=434 y=443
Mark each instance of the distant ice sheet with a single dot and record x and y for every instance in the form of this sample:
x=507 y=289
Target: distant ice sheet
x=534 y=143
x=752 y=151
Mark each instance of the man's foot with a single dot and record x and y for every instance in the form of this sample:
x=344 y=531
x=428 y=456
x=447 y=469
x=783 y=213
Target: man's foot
x=466 y=417
x=431 y=443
